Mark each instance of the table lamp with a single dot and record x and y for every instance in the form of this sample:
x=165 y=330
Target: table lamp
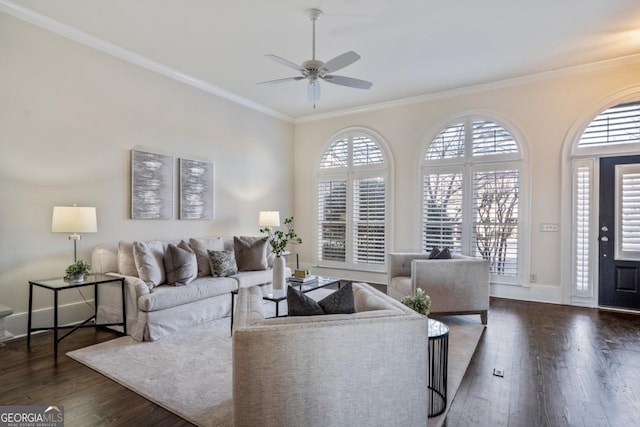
x=74 y=219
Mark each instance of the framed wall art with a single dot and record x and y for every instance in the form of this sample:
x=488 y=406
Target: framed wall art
x=151 y=185
x=196 y=189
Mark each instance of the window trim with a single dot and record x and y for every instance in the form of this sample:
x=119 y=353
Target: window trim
x=352 y=173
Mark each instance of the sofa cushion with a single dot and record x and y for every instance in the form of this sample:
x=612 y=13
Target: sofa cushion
x=180 y=264
x=222 y=263
x=126 y=260
x=339 y=302
x=201 y=246
x=165 y=296
x=251 y=253
x=301 y=305
x=149 y=257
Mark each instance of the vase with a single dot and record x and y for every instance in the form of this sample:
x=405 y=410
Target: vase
x=278 y=273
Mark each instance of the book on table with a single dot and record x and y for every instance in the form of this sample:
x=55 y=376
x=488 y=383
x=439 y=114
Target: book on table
x=303 y=280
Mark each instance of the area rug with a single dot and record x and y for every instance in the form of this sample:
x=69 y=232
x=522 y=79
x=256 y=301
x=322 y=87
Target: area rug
x=189 y=374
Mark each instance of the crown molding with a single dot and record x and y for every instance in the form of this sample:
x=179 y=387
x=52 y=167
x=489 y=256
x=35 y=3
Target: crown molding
x=478 y=88
x=71 y=33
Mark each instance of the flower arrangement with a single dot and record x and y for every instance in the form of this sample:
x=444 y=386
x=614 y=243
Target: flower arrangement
x=280 y=239
x=77 y=270
x=420 y=303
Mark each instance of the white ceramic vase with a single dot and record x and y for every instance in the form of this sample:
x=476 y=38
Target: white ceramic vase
x=278 y=273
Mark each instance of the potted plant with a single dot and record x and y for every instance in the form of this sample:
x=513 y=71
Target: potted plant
x=279 y=240
x=76 y=271
x=420 y=303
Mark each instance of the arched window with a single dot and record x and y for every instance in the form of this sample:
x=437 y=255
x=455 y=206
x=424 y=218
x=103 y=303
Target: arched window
x=353 y=194
x=471 y=186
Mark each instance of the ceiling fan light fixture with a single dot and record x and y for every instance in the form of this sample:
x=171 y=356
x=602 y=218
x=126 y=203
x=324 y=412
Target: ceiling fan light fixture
x=315 y=70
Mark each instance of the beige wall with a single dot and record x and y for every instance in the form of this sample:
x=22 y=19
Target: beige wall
x=542 y=112
x=70 y=115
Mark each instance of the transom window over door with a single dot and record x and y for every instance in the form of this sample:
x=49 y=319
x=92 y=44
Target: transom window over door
x=353 y=194
x=471 y=194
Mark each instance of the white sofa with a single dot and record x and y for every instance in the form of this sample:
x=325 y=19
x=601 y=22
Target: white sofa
x=369 y=368
x=163 y=310
x=456 y=286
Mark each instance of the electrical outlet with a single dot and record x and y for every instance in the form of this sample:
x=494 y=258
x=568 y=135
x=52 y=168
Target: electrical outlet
x=498 y=372
x=533 y=278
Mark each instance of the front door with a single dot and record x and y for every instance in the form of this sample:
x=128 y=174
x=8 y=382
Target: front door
x=619 y=232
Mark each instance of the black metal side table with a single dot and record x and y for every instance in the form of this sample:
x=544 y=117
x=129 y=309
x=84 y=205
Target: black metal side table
x=59 y=284
x=438 y=361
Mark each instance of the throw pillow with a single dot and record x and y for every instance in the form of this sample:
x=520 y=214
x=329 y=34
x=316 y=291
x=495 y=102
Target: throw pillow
x=434 y=253
x=301 y=305
x=180 y=264
x=200 y=246
x=223 y=263
x=444 y=254
x=126 y=261
x=251 y=253
x=339 y=302
x=149 y=258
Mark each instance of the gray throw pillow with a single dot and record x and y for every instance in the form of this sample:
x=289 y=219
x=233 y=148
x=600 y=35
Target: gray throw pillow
x=149 y=262
x=443 y=254
x=223 y=263
x=251 y=253
x=301 y=305
x=180 y=264
x=339 y=302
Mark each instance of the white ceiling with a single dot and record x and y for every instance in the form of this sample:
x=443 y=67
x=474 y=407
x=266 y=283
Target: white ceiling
x=408 y=47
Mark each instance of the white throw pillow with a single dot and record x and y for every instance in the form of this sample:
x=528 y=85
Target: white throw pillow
x=201 y=246
x=149 y=257
x=126 y=261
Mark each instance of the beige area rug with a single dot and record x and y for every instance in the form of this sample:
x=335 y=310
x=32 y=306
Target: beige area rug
x=190 y=373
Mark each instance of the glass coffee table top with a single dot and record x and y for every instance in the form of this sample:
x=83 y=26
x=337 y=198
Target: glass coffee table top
x=278 y=295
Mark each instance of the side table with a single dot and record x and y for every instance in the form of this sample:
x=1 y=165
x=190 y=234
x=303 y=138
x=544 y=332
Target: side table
x=58 y=285
x=438 y=361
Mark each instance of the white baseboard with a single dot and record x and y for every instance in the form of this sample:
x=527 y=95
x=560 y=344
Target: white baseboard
x=534 y=292
x=68 y=314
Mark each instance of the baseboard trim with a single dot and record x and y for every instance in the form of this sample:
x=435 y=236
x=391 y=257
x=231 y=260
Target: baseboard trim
x=68 y=314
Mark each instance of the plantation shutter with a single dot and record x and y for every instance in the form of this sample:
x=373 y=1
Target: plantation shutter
x=369 y=220
x=332 y=215
x=582 y=223
x=490 y=138
x=495 y=225
x=628 y=212
x=442 y=211
x=616 y=125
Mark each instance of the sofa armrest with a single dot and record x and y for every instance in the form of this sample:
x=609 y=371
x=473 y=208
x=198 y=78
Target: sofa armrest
x=399 y=263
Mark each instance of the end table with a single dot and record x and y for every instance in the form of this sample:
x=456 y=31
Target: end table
x=57 y=285
x=438 y=361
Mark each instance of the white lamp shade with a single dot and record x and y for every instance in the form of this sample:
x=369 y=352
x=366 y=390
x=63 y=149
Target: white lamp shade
x=74 y=219
x=269 y=219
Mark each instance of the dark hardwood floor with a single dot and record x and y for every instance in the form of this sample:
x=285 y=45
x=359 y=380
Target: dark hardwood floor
x=563 y=366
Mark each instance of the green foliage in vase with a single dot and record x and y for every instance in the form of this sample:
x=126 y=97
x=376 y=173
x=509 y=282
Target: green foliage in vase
x=77 y=269
x=420 y=303
x=280 y=239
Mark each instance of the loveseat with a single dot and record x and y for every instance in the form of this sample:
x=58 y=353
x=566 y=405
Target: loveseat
x=459 y=285
x=369 y=368
x=157 y=310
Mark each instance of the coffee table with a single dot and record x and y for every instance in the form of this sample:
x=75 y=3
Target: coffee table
x=278 y=295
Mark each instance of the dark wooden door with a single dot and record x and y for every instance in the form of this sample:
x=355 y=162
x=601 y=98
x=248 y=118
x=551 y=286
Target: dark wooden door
x=619 y=232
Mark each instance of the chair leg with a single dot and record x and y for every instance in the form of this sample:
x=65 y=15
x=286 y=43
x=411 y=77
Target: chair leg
x=483 y=317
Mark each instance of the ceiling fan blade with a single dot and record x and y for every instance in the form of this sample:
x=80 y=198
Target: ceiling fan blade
x=348 y=81
x=286 y=79
x=341 y=61
x=284 y=62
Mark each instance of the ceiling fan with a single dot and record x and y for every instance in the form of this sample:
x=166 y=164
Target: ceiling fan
x=315 y=70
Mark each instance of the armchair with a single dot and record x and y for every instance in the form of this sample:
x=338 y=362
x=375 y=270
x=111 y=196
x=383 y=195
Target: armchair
x=330 y=370
x=456 y=286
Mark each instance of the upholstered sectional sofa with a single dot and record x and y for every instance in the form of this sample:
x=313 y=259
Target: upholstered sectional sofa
x=155 y=310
